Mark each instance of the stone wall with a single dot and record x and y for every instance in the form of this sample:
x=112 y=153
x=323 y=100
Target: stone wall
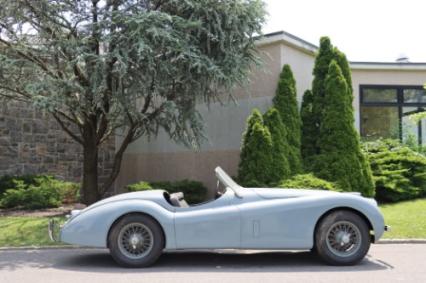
x=32 y=142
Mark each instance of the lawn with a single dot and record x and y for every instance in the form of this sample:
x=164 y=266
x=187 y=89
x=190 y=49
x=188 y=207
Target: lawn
x=24 y=231
x=408 y=220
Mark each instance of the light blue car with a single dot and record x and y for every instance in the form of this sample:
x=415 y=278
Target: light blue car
x=137 y=227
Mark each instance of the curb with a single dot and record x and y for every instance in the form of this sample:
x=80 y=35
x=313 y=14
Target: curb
x=70 y=247
x=56 y=247
x=402 y=241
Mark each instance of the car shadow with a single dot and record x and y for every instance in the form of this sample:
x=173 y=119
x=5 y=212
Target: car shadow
x=219 y=262
x=99 y=260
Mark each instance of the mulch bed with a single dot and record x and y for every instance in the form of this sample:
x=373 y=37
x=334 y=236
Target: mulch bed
x=59 y=211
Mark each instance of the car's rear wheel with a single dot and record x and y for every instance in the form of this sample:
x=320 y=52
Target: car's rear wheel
x=136 y=240
x=342 y=238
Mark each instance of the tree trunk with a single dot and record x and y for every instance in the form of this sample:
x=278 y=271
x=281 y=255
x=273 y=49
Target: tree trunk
x=89 y=189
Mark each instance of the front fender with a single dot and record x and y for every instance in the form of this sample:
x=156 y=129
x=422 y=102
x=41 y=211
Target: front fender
x=366 y=207
x=91 y=227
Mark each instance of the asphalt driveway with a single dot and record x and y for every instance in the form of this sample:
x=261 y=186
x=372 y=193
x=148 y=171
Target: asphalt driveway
x=385 y=263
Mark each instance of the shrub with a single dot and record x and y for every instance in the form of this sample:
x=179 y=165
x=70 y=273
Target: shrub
x=70 y=192
x=255 y=168
x=32 y=197
x=285 y=101
x=341 y=159
x=398 y=171
x=9 y=182
x=34 y=192
x=255 y=117
x=140 y=186
x=194 y=191
x=308 y=181
x=280 y=165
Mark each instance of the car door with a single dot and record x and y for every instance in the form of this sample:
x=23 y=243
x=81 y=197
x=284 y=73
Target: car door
x=211 y=225
x=276 y=224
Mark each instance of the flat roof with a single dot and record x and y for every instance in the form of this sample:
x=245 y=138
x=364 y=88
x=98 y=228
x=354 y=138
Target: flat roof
x=398 y=66
x=307 y=47
x=289 y=39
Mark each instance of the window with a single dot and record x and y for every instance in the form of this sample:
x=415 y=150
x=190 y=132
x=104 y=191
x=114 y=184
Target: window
x=380 y=95
x=380 y=122
x=414 y=95
x=386 y=110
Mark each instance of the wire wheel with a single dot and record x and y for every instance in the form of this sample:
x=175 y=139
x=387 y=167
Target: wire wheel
x=343 y=239
x=135 y=240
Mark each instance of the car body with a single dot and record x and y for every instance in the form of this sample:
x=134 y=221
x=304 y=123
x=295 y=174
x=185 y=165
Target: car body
x=239 y=218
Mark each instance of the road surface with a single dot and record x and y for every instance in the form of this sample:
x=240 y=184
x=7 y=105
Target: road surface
x=385 y=263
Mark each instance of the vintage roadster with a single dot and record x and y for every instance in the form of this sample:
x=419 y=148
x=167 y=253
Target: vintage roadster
x=137 y=227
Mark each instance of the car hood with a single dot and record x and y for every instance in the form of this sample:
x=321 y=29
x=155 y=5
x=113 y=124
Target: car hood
x=293 y=193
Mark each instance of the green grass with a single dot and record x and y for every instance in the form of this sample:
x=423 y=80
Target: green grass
x=407 y=219
x=24 y=231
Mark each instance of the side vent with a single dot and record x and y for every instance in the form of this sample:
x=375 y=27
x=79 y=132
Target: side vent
x=256 y=228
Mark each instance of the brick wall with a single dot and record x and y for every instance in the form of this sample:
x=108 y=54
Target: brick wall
x=32 y=142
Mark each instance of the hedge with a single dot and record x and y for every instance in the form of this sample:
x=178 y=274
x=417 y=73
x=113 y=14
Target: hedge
x=398 y=171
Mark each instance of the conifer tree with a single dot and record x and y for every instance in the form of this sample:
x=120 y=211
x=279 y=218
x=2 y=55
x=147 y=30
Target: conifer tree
x=285 y=101
x=308 y=128
x=280 y=147
x=311 y=122
x=255 y=117
x=322 y=62
x=340 y=159
x=256 y=154
x=343 y=63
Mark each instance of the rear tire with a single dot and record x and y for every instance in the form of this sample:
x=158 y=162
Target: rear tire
x=136 y=240
x=342 y=238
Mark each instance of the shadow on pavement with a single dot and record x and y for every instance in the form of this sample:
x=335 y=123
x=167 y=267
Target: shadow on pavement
x=101 y=261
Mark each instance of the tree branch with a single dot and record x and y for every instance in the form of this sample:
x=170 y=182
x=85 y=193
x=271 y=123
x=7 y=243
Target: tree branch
x=117 y=161
x=67 y=130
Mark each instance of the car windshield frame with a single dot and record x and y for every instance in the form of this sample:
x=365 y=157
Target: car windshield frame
x=228 y=182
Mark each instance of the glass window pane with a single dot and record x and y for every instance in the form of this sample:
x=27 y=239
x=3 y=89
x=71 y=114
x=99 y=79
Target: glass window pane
x=410 y=129
x=415 y=95
x=379 y=122
x=379 y=95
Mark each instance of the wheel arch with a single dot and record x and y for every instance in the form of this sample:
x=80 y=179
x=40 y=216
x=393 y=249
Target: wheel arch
x=135 y=213
x=350 y=209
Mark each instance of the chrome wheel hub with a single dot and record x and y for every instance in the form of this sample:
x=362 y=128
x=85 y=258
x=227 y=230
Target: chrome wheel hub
x=343 y=238
x=135 y=240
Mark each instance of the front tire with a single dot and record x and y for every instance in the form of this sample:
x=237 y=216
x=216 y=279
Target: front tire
x=136 y=240
x=342 y=238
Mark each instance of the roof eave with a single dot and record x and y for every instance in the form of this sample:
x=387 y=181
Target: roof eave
x=288 y=39
x=389 y=66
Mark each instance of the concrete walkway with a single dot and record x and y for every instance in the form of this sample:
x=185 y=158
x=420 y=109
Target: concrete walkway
x=385 y=263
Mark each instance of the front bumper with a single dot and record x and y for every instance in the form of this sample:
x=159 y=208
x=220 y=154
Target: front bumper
x=54 y=230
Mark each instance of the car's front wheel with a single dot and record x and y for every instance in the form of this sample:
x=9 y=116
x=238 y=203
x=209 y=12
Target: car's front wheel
x=136 y=240
x=342 y=238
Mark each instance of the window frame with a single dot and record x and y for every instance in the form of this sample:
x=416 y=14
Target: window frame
x=400 y=104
